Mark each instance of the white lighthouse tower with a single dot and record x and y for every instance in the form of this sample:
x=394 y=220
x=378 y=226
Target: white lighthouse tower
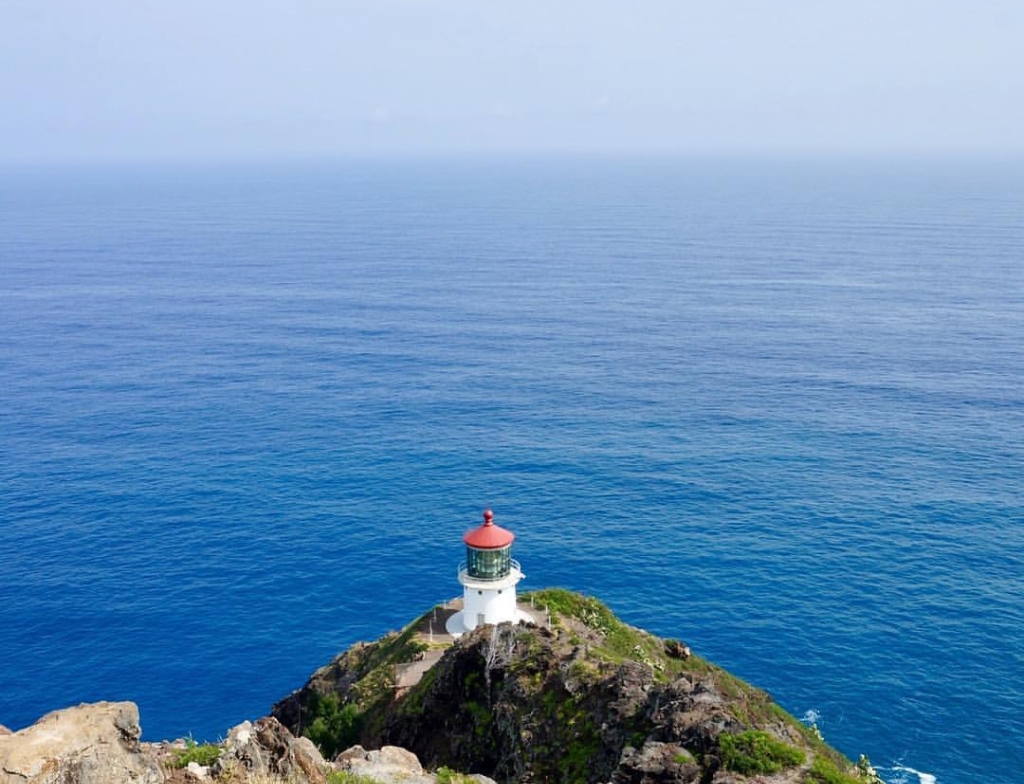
x=488 y=576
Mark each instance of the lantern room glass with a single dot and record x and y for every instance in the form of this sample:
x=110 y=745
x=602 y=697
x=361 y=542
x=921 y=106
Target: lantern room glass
x=489 y=564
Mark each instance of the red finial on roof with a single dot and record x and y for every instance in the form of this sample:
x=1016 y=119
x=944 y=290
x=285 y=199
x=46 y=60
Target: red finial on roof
x=489 y=536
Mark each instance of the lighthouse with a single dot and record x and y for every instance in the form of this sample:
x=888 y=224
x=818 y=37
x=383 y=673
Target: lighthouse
x=488 y=577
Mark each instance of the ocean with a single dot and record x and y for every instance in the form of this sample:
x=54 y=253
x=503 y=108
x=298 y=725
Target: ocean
x=772 y=408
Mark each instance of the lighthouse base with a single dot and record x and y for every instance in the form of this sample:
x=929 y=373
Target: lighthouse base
x=463 y=622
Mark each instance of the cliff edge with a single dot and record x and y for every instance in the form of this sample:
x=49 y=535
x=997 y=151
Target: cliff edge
x=578 y=697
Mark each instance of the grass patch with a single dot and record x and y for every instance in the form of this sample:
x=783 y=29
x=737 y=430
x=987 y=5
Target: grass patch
x=825 y=771
x=586 y=609
x=448 y=776
x=584 y=671
x=620 y=642
x=376 y=667
x=348 y=777
x=757 y=752
x=204 y=754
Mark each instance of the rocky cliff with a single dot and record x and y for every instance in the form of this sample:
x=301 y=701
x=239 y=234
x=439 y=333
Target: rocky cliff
x=578 y=697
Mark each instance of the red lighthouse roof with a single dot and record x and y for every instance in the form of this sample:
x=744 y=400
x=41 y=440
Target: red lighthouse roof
x=489 y=536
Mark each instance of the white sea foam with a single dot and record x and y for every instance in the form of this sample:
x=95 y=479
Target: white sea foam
x=923 y=778
x=811 y=716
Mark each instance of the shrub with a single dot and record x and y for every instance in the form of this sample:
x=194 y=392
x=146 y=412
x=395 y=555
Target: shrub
x=757 y=752
x=202 y=754
x=334 y=726
x=449 y=776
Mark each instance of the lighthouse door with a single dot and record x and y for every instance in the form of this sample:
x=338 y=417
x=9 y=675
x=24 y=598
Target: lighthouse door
x=481 y=619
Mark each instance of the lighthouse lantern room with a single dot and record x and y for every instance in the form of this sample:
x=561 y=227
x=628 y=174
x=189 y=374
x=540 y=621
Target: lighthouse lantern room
x=488 y=576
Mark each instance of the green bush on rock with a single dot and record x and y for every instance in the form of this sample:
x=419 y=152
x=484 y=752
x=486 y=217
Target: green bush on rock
x=448 y=776
x=204 y=754
x=825 y=771
x=757 y=752
x=334 y=726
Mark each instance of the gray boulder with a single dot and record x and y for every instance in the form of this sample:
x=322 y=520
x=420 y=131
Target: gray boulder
x=388 y=765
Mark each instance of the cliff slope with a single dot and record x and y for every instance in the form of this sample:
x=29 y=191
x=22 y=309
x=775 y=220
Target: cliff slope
x=582 y=698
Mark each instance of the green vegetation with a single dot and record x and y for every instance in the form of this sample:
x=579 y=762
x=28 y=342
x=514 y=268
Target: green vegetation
x=575 y=764
x=375 y=663
x=347 y=777
x=620 y=643
x=750 y=752
x=831 y=767
x=825 y=771
x=203 y=754
x=577 y=739
x=449 y=776
x=482 y=717
x=757 y=752
x=585 y=609
x=333 y=725
x=571 y=737
x=867 y=771
x=754 y=707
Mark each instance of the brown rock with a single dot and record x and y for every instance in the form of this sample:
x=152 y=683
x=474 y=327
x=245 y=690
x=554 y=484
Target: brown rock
x=265 y=747
x=676 y=650
x=657 y=763
x=88 y=744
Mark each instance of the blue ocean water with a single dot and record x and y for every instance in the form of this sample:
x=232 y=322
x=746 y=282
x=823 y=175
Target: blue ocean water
x=774 y=409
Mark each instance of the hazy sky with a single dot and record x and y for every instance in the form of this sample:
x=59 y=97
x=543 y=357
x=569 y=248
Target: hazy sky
x=140 y=78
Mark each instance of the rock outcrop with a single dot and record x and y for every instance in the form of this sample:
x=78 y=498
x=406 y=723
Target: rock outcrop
x=583 y=699
x=265 y=748
x=394 y=765
x=88 y=744
x=389 y=765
